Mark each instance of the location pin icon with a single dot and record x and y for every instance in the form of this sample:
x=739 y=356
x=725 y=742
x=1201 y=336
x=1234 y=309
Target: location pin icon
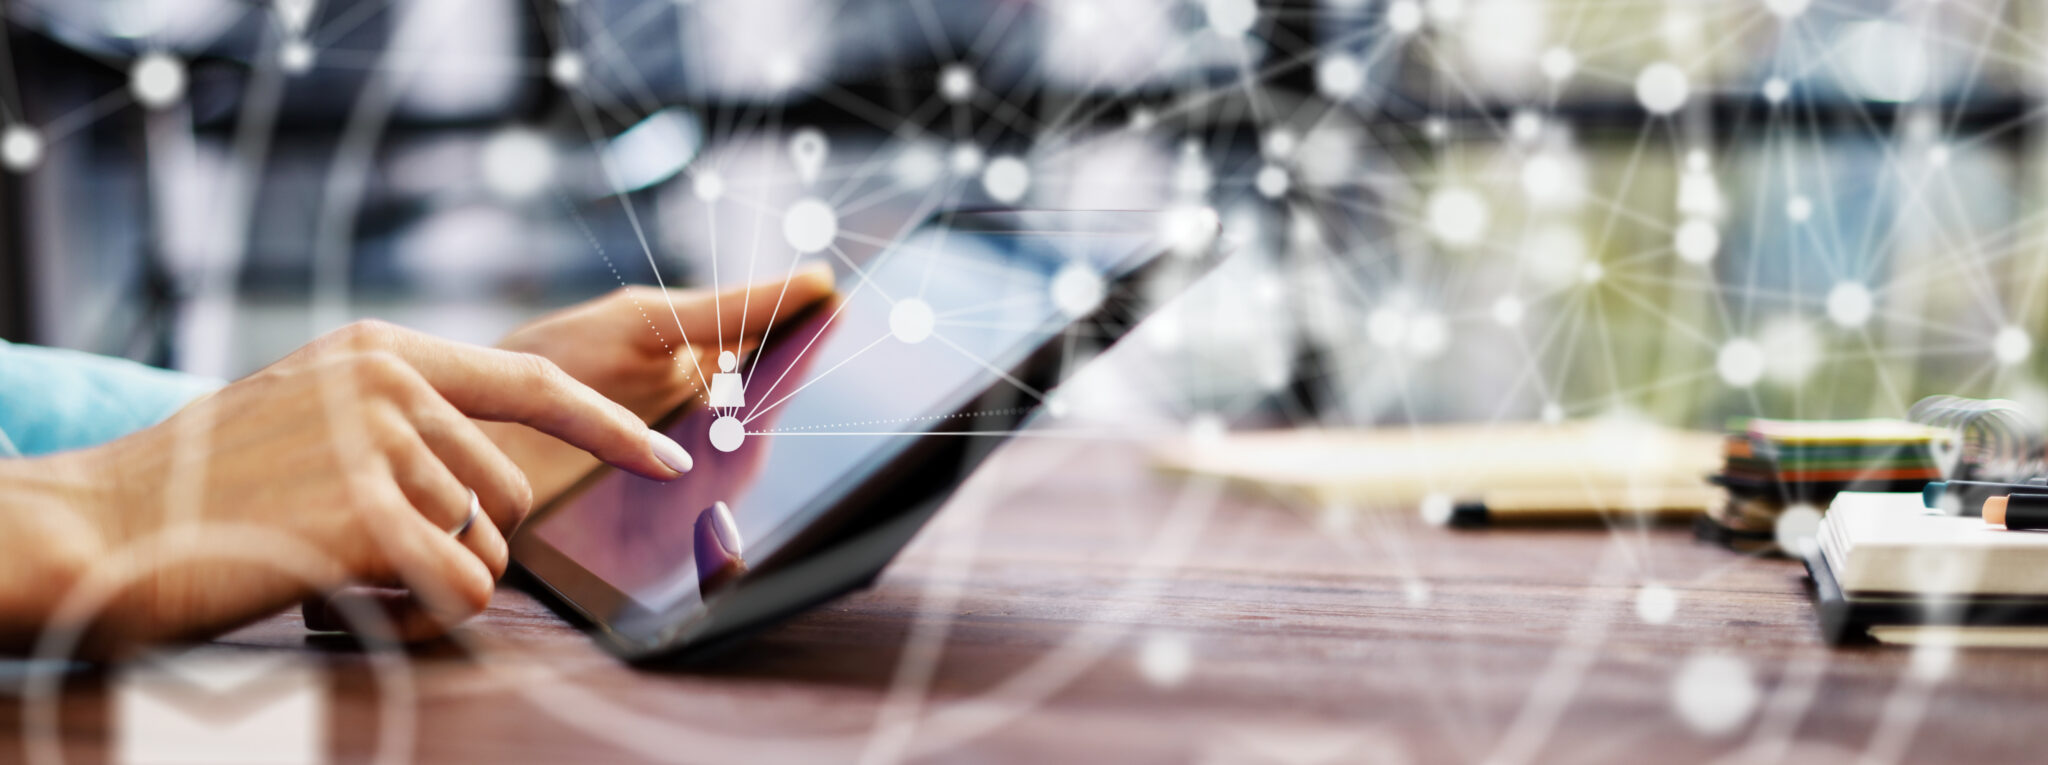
x=807 y=150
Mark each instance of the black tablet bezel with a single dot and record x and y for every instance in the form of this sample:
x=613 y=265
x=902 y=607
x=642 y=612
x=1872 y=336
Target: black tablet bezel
x=862 y=528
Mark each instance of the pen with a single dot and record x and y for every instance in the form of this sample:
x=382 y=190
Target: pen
x=2019 y=512
x=1576 y=505
x=1964 y=498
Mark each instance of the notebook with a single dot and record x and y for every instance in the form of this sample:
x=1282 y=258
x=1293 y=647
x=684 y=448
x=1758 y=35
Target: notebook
x=1889 y=543
x=1885 y=567
x=1596 y=463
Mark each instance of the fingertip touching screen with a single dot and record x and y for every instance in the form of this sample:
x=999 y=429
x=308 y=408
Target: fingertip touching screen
x=927 y=326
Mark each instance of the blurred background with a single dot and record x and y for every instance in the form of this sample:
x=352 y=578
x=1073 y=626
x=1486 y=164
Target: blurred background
x=1445 y=210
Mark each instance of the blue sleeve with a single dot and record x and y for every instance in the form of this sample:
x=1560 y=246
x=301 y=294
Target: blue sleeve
x=52 y=400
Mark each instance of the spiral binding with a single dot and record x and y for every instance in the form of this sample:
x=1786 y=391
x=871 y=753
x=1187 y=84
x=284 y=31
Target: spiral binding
x=1997 y=440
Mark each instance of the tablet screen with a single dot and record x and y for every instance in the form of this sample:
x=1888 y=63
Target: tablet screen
x=918 y=332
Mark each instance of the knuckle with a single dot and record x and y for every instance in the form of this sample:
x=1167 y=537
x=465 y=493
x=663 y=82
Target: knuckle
x=383 y=371
x=389 y=429
x=368 y=333
x=519 y=492
x=476 y=598
x=537 y=364
x=633 y=293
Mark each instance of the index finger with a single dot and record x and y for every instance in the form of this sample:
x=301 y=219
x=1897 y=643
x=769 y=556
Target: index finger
x=504 y=386
x=749 y=309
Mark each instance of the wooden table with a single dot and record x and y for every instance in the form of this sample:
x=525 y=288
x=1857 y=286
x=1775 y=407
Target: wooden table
x=1072 y=606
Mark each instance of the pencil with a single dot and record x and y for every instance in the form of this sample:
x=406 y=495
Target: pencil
x=1581 y=505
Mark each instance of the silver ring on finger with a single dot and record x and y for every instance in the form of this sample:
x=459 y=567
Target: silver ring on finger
x=476 y=508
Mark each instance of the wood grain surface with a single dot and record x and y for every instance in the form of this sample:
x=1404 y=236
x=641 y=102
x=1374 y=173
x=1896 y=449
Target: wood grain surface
x=1071 y=605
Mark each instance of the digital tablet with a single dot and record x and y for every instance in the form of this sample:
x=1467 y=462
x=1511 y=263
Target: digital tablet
x=844 y=431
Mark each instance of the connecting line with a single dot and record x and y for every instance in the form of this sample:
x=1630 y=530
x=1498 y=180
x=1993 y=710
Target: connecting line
x=1108 y=435
x=611 y=177
x=821 y=375
x=836 y=311
x=1033 y=392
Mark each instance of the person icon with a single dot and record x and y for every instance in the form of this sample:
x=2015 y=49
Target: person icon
x=726 y=389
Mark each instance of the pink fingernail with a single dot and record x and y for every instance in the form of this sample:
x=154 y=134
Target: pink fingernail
x=669 y=452
x=728 y=529
x=717 y=546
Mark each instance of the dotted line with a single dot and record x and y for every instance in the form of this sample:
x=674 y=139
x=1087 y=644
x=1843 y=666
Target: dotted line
x=637 y=305
x=1018 y=410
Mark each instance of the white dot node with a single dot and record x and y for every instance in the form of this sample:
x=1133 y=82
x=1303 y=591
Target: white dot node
x=1508 y=311
x=1165 y=660
x=1457 y=215
x=783 y=71
x=1056 y=404
x=1938 y=155
x=1713 y=693
x=1787 y=8
x=1799 y=209
x=1339 y=75
x=1545 y=177
x=1428 y=335
x=708 y=185
x=1404 y=16
x=2012 y=345
x=1592 y=272
x=157 y=80
x=1526 y=125
x=1076 y=290
x=1697 y=241
x=21 y=147
x=1206 y=428
x=1436 y=508
x=1776 y=89
x=956 y=83
x=295 y=14
x=1662 y=87
x=1386 y=326
x=1080 y=16
x=1740 y=362
x=911 y=320
x=810 y=225
x=566 y=69
x=1795 y=529
x=1558 y=64
x=1190 y=230
x=517 y=163
x=728 y=433
x=1849 y=305
x=1934 y=658
x=1281 y=142
x=917 y=167
x=295 y=56
x=1272 y=182
x=1231 y=18
x=1435 y=128
x=1552 y=414
x=965 y=159
x=1656 y=603
x=1006 y=179
x=1415 y=592
x=1143 y=119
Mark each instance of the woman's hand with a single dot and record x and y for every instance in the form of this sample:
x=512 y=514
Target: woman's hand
x=360 y=446
x=628 y=346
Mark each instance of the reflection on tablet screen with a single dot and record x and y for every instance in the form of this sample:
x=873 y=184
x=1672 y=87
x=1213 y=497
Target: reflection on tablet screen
x=830 y=396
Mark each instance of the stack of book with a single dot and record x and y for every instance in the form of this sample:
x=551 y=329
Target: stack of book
x=1771 y=466
x=1886 y=568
